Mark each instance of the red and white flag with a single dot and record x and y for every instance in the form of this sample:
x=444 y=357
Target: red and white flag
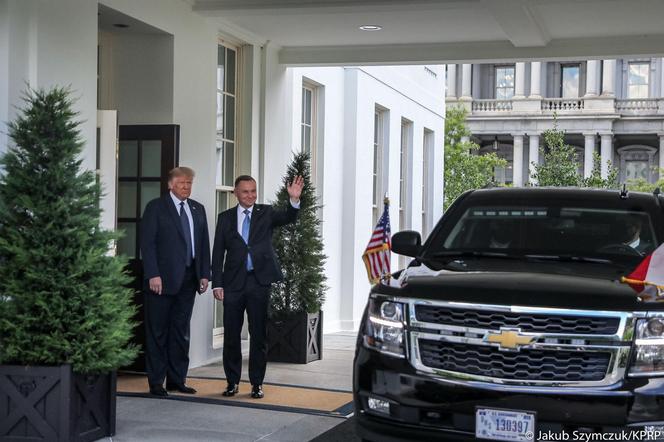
x=648 y=277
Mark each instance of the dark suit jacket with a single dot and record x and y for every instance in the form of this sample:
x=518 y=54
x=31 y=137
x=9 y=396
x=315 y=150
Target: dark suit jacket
x=163 y=246
x=229 y=254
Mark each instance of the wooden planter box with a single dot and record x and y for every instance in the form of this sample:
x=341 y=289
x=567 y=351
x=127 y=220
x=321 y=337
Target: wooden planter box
x=297 y=338
x=55 y=404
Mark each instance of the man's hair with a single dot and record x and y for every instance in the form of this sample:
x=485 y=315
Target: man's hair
x=181 y=171
x=244 y=178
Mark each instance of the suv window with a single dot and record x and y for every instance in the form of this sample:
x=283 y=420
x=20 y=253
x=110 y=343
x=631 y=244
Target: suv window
x=559 y=230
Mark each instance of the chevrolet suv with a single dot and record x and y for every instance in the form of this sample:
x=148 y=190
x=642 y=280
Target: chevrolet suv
x=512 y=323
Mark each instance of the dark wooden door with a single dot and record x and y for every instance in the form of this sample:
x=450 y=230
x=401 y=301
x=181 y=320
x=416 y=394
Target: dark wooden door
x=146 y=153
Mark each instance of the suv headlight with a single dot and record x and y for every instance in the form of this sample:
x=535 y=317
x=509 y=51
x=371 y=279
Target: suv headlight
x=648 y=347
x=385 y=327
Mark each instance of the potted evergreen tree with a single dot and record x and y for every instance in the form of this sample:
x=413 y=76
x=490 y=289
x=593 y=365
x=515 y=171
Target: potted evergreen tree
x=65 y=314
x=295 y=323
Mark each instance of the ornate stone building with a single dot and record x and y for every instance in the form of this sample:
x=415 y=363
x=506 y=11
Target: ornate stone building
x=613 y=107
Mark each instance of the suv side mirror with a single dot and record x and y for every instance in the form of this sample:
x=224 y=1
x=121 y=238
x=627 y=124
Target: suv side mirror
x=407 y=243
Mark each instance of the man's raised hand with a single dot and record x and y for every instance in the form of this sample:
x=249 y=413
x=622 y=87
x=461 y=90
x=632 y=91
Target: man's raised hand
x=295 y=188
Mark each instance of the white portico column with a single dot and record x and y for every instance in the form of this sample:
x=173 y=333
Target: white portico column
x=661 y=153
x=517 y=161
x=606 y=152
x=466 y=70
x=608 y=77
x=533 y=155
x=591 y=78
x=535 y=81
x=451 y=81
x=588 y=154
x=520 y=85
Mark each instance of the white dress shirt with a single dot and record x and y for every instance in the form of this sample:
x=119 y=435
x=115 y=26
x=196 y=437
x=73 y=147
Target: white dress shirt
x=241 y=215
x=187 y=210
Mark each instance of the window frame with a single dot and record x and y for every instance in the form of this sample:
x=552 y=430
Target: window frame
x=563 y=67
x=645 y=64
x=428 y=141
x=222 y=189
x=379 y=147
x=312 y=125
x=497 y=68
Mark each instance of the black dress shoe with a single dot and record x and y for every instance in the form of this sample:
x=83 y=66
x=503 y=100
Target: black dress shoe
x=231 y=390
x=257 y=391
x=182 y=388
x=158 y=390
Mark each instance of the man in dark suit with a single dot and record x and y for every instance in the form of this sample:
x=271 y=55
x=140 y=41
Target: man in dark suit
x=632 y=235
x=175 y=247
x=244 y=265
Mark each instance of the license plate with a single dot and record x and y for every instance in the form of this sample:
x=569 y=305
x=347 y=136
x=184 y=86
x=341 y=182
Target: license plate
x=496 y=424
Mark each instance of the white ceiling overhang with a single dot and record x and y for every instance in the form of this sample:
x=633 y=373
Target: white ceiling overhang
x=326 y=32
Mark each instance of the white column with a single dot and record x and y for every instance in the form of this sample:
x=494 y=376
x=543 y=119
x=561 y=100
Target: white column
x=588 y=154
x=451 y=81
x=535 y=79
x=606 y=152
x=465 y=139
x=520 y=85
x=661 y=81
x=661 y=153
x=533 y=155
x=609 y=77
x=517 y=161
x=466 y=70
x=591 y=78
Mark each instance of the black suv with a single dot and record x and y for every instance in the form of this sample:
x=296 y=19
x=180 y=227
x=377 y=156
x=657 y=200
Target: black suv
x=511 y=323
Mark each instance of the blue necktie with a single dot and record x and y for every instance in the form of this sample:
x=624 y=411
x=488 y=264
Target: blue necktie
x=184 y=220
x=245 y=236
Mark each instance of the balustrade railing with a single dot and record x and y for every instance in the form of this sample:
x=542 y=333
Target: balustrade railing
x=562 y=104
x=637 y=105
x=491 y=105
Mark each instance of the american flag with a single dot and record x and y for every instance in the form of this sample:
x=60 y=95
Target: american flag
x=377 y=254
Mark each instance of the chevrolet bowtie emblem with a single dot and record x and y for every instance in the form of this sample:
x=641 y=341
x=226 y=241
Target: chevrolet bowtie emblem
x=509 y=339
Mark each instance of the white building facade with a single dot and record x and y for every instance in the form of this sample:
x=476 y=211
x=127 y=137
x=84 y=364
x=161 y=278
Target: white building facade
x=613 y=107
x=371 y=131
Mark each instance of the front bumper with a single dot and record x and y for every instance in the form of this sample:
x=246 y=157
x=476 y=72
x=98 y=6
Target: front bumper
x=425 y=407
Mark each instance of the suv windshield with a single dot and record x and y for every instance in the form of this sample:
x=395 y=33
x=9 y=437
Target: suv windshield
x=558 y=231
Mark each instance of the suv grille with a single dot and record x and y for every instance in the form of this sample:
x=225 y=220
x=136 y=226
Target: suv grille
x=527 y=322
x=530 y=365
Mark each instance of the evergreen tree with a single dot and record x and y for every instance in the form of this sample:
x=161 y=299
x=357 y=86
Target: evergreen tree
x=464 y=169
x=299 y=248
x=62 y=297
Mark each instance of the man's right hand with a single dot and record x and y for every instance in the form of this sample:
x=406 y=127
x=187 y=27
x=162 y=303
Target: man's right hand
x=155 y=284
x=218 y=294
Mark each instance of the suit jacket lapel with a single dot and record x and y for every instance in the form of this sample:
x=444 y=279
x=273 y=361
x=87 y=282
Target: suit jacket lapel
x=170 y=207
x=194 y=218
x=256 y=216
x=233 y=222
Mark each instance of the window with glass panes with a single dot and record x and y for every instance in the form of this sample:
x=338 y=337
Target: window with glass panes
x=404 y=154
x=569 y=81
x=638 y=80
x=406 y=142
x=308 y=125
x=378 y=147
x=225 y=147
x=504 y=82
x=427 y=147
